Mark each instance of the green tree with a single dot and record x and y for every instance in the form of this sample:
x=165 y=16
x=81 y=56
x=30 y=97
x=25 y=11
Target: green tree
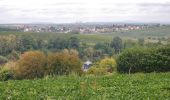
x=74 y=43
x=117 y=44
x=26 y=42
x=141 y=41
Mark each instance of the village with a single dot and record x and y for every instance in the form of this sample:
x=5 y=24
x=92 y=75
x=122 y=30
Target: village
x=84 y=28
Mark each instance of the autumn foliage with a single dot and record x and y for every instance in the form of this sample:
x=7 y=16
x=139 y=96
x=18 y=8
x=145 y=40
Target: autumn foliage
x=35 y=64
x=63 y=63
x=31 y=65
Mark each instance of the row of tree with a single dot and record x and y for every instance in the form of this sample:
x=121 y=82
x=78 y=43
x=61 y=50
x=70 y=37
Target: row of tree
x=36 y=64
x=13 y=45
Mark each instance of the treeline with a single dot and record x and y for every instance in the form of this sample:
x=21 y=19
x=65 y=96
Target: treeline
x=11 y=46
x=36 y=64
x=5 y=29
x=22 y=43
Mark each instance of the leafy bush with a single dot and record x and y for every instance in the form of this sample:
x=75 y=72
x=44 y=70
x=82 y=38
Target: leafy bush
x=7 y=71
x=3 y=60
x=14 y=55
x=144 y=60
x=63 y=63
x=6 y=74
x=31 y=65
x=108 y=63
x=103 y=67
x=97 y=71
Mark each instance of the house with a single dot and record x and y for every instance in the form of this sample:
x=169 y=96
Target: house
x=87 y=65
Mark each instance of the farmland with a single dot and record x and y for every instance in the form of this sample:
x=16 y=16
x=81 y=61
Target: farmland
x=151 y=86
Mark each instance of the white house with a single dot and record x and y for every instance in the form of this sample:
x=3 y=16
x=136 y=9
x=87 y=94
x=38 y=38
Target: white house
x=87 y=65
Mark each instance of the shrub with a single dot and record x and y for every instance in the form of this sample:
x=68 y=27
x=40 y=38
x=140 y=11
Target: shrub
x=144 y=60
x=108 y=63
x=13 y=56
x=3 y=60
x=5 y=74
x=63 y=63
x=97 y=71
x=7 y=71
x=31 y=65
x=103 y=67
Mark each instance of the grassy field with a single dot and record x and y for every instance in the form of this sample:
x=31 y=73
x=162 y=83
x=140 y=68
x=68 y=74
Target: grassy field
x=163 y=31
x=153 y=86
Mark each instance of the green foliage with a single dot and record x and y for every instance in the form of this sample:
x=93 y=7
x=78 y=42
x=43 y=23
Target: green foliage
x=141 y=41
x=152 y=31
x=6 y=74
x=5 y=29
x=97 y=71
x=26 y=42
x=73 y=43
x=3 y=60
x=58 y=43
x=103 y=67
x=7 y=44
x=7 y=71
x=144 y=60
x=105 y=48
x=14 y=55
x=151 y=86
x=117 y=44
x=109 y=64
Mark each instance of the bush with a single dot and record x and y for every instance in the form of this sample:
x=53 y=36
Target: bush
x=31 y=65
x=7 y=71
x=108 y=63
x=64 y=63
x=97 y=71
x=13 y=56
x=144 y=60
x=3 y=60
x=6 y=74
x=103 y=67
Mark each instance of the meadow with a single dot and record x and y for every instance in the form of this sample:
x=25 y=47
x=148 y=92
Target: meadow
x=150 y=86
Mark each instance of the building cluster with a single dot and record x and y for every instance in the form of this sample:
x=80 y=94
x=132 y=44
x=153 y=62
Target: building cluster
x=79 y=28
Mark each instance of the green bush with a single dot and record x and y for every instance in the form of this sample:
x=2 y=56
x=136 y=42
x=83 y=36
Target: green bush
x=97 y=71
x=108 y=63
x=6 y=74
x=3 y=60
x=144 y=60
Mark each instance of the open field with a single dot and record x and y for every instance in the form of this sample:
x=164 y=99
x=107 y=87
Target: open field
x=153 y=86
x=154 y=31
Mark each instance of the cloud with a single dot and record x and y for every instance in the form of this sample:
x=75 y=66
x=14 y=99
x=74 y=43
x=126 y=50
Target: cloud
x=167 y=4
x=81 y=10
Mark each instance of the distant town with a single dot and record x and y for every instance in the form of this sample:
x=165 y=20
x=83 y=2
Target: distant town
x=84 y=28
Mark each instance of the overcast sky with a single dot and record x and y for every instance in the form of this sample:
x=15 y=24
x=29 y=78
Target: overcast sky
x=66 y=11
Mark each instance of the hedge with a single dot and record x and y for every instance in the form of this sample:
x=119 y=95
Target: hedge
x=144 y=60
